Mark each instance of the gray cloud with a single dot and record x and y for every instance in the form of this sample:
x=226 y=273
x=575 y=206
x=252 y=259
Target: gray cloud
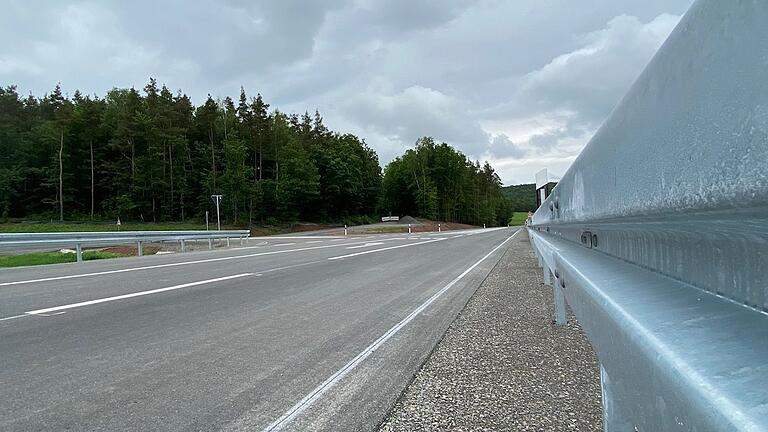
x=523 y=84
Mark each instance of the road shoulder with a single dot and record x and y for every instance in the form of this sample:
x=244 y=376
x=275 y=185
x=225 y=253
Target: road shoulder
x=503 y=365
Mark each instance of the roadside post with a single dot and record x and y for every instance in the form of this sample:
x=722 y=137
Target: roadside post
x=217 y=198
x=345 y=229
x=438 y=228
x=409 y=228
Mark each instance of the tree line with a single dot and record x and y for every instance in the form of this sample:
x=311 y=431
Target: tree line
x=152 y=155
x=437 y=182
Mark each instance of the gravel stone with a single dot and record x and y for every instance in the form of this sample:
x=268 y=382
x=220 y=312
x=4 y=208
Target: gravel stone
x=503 y=365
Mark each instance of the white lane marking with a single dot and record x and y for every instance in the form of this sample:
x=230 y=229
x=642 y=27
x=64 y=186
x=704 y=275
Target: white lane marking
x=383 y=249
x=341 y=239
x=127 y=296
x=284 y=244
x=315 y=394
x=457 y=236
x=28 y=281
x=316 y=241
x=366 y=245
x=12 y=317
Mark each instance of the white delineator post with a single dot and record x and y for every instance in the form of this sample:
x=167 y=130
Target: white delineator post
x=217 y=198
x=409 y=228
x=438 y=228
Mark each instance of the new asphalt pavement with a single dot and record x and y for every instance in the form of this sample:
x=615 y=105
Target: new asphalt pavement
x=292 y=333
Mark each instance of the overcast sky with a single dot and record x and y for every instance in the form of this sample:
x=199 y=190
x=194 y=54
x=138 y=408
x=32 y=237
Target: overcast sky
x=521 y=83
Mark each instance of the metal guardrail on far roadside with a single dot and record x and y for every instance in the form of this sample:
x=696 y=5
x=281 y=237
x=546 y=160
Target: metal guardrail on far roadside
x=657 y=236
x=80 y=239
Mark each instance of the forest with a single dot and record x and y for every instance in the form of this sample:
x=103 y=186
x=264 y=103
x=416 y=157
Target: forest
x=437 y=182
x=153 y=156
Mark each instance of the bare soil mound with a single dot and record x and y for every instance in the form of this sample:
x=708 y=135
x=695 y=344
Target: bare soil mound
x=409 y=220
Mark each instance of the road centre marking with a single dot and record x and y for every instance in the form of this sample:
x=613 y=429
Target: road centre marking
x=383 y=249
x=183 y=263
x=131 y=295
x=366 y=245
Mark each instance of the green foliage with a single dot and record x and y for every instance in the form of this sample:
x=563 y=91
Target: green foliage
x=518 y=218
x=437 y=182
x=152 y=156
x=522 y=197
x=94 y=226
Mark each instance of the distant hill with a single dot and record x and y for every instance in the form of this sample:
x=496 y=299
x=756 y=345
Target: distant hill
x=522 y=197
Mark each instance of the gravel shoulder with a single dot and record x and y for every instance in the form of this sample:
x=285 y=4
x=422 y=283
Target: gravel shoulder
x=503 y=364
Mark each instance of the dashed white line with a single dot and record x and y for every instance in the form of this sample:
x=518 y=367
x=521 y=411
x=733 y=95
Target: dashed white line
x=12 y=317
x=366 y=245
x=316 y=241
x=137 y=294
x=383 y=249
x=315 y=394
x=284 y=244
x=82 y=275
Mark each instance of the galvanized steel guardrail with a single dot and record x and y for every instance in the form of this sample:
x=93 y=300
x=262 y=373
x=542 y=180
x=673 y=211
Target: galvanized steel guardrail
x=657 y=236
x=80 y=239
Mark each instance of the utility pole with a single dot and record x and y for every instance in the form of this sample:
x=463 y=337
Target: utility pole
x=217 y=198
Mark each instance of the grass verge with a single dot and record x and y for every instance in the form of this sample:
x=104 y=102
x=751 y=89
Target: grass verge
x=41 y=258
x=518 y=218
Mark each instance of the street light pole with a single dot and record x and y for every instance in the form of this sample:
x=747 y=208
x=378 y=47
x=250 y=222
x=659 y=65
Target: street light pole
x=217 y=198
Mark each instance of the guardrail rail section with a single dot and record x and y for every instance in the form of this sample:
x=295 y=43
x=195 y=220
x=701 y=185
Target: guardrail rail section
x=657 y=235
x=80 y=239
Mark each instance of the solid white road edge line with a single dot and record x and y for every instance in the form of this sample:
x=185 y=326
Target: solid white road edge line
x=28 y=281
x=315 y=394
x=384 y=249
x=137 y=294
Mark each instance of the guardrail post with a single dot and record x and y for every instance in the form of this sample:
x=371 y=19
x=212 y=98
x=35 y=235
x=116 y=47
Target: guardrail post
x=183 y=246
x=547 y=277
x=559 y=299
x=227 y=241
x=79 y=252
x=613 y=420
x=210 y=243
x=241 y=241
x=139 y=248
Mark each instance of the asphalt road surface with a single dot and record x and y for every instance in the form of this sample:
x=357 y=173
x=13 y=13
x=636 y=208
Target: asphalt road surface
x=292 y=334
